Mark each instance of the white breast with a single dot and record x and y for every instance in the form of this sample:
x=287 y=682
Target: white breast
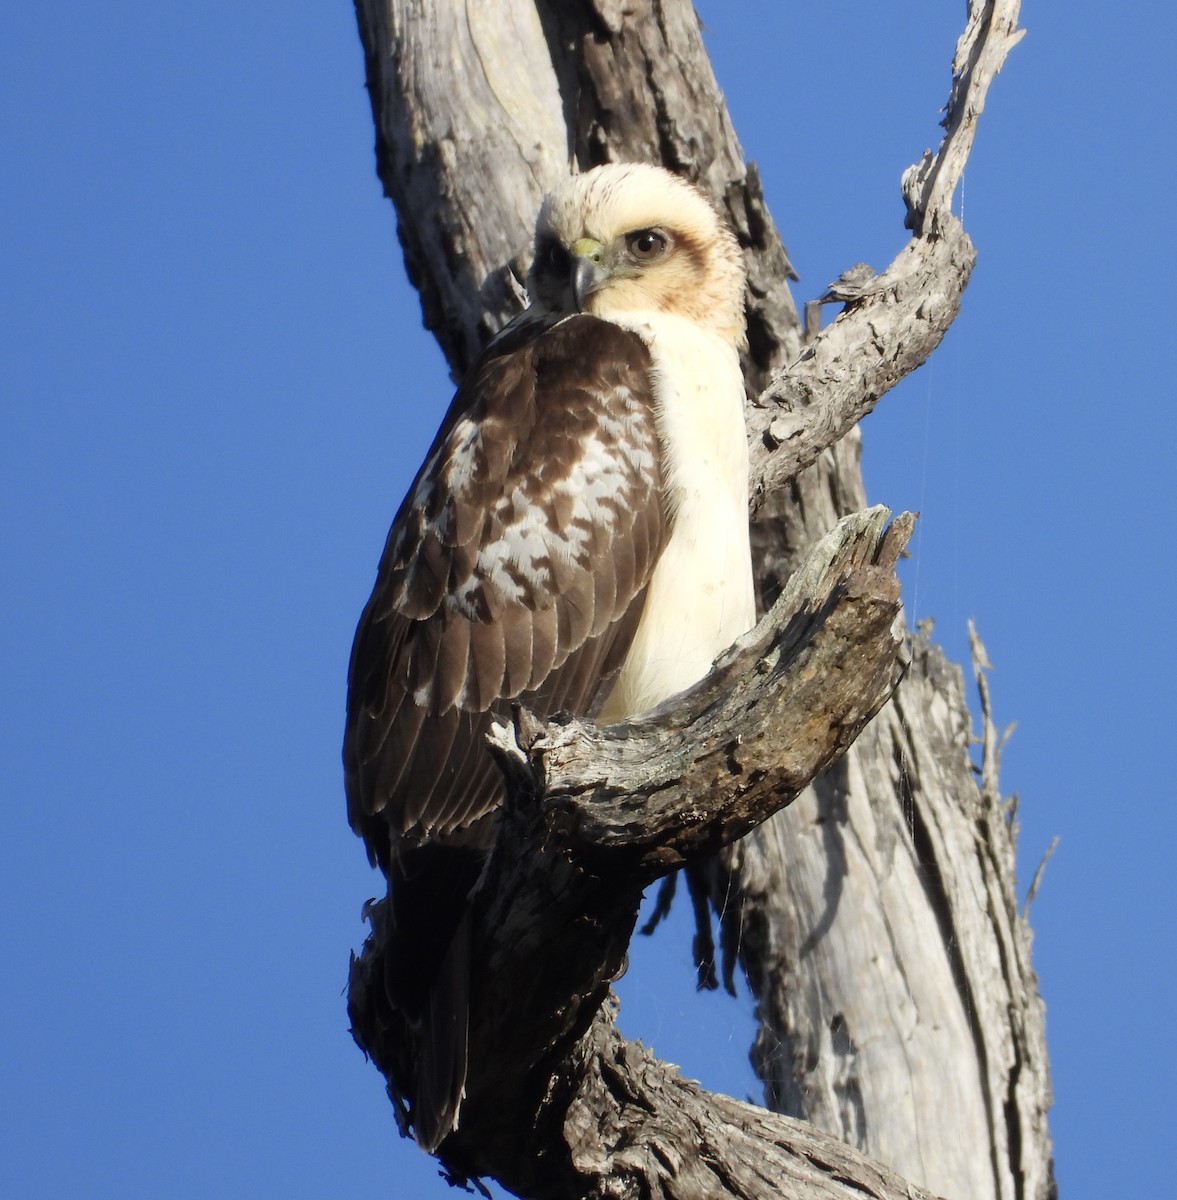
x=700 y=596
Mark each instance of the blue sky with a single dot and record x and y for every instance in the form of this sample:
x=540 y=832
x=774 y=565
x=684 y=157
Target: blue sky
x=215 y=392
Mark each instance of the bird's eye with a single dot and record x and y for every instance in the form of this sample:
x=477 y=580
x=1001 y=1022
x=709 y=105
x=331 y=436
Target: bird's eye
x=647 y=245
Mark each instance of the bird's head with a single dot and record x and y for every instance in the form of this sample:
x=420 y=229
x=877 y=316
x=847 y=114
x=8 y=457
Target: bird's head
x=627 y=238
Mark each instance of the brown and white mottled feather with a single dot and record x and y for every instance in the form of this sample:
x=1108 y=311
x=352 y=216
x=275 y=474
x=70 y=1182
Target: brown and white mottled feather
x=521 y=548
x=576 y=540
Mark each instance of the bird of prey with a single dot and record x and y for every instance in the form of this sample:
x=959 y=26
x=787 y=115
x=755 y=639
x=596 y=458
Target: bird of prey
x=576 y=541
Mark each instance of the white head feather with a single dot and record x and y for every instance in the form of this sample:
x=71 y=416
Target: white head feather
x=699 y=276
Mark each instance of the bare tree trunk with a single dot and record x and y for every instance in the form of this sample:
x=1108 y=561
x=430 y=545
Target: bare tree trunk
x=875 y=919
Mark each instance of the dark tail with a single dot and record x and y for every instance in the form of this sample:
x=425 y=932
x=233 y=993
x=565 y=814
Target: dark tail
x=427 y=976
x=441 y=1068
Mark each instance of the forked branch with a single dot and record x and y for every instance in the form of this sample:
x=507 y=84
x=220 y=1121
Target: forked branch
x=893 y=321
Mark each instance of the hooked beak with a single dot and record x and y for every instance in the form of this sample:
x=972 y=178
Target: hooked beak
x=588 y=271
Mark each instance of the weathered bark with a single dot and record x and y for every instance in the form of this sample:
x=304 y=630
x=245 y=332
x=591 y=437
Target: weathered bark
x=876 y=919
x=841 y=906
x=593 y=816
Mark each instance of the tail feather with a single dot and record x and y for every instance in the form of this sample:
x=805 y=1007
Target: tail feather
x=444 y=1045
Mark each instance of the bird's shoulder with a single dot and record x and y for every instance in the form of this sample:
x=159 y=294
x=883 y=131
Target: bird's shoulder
x=545 y=441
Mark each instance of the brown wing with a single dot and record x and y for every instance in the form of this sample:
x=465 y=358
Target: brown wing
x=516 y=568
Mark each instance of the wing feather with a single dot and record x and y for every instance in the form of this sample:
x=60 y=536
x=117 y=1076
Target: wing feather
x=543 y=645
x=578 y=678
x=626 y=571
x=448 y=683
x=574 y=616
x=429 y=771
x=486 y=665
x=516 y=567
x=388 y=754
x=424 y=582
x=519 y=639
x=604 y=594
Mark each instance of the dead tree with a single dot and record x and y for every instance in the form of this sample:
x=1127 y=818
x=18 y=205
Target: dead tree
x=876 y=918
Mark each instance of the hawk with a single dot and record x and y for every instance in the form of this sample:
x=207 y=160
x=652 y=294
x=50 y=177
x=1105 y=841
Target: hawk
x=577 y=540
